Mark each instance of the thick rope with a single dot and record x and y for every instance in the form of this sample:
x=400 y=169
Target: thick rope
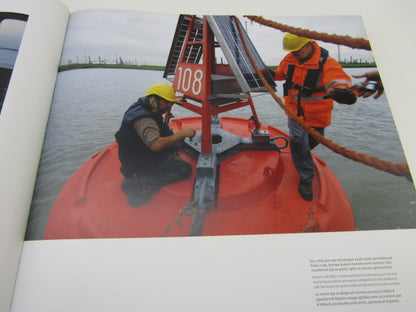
x=396 y=169
x=197 y=219
x=176 y=221
x=355 y=43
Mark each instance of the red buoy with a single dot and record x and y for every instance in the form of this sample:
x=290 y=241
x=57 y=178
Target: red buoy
x=257 y=195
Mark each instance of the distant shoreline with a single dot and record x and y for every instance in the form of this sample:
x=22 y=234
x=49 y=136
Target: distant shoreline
x=121 y=66
x=161 y=68
x=346 y=65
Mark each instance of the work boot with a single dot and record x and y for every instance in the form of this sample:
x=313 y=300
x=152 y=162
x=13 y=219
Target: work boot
x=305 y=190
x=136 y=194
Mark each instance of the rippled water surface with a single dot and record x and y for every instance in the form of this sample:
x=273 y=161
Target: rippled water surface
x=88 y=105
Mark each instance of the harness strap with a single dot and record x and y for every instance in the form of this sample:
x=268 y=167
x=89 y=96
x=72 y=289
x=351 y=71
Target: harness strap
x=288 y=83
x=309 y=85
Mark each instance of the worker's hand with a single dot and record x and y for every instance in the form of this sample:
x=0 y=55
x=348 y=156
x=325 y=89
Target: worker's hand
x=179 y=99
x=365 y=92
x=271 y=72
x=168 y=141
x=188 y=133
x=343 y=95
x=373 y=79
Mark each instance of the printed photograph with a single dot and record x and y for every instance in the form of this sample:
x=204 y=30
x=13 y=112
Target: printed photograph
x=12 y=26
x=200 y=125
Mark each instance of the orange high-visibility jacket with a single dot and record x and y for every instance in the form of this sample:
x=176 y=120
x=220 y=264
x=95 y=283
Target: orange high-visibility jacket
x=316 y=111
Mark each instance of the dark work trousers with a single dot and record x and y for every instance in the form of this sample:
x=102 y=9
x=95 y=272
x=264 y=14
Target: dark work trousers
x=301 y=144
x=171 y=170
x=174 y=169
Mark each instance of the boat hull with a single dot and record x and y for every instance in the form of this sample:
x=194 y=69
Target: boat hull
x=257 y=194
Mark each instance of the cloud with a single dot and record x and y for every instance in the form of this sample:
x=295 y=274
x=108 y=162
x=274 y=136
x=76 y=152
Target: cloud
x=11 y=32
x=146 y=38
x=111 y=33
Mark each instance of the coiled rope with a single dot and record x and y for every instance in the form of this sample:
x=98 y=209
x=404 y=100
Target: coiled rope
x=355 y=43
x=197 y=219
x=395 y=169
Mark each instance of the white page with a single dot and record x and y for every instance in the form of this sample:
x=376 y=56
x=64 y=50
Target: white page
x=126 y=274
x=22 y=125
x=231 y=273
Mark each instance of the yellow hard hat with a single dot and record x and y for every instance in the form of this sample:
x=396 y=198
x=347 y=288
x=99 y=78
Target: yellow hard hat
x=163 y=90
x=293 y=43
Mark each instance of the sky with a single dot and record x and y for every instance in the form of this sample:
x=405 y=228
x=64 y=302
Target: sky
x=11 y=32
x=146 y=38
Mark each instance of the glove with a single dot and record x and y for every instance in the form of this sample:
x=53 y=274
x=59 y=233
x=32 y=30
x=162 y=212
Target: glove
x=268 y=70
x=343 y=95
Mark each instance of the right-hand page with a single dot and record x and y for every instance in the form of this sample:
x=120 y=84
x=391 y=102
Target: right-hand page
x=212 y=126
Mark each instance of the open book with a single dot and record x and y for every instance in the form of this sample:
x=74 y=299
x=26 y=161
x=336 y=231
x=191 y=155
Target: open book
x=365 y=270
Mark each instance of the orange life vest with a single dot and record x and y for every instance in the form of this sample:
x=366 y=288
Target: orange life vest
x=308 y=83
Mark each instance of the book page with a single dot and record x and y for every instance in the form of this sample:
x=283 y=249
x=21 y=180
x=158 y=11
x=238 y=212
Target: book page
x=322 y=269
x=22 y=124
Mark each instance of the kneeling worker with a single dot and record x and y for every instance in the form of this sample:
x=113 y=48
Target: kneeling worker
x=312 y=81
x=148 y=148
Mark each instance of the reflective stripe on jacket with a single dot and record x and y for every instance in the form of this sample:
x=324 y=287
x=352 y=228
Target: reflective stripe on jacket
x=316 y=111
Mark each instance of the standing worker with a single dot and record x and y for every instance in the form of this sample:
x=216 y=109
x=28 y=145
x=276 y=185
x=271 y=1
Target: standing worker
x=313 y=80
x=147 y=147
